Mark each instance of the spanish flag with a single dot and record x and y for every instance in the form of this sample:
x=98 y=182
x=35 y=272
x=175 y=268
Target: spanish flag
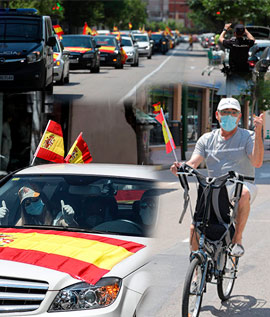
x=51 y=145
x=79 y=152
x=107 y=49
x=115 y=28
x=124 y=56
x=86 y=257
x=157 y=107
x=130 y=26
x=86 y=29
x=58 y=30
x=166 y=132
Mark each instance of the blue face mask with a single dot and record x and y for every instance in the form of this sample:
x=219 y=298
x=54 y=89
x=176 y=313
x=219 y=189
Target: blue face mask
x=35 y=208
x=228 y=123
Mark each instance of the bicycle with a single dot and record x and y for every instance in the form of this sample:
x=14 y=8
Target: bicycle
x=214 y=223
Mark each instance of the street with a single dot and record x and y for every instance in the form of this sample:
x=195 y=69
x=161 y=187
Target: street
x=250 y=296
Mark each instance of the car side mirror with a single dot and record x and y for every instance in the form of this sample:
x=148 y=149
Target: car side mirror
x=51 y=41
x=66 y=53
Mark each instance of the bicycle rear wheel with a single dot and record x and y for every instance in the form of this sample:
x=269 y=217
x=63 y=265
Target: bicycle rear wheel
x=193 y=289
x=226 y=282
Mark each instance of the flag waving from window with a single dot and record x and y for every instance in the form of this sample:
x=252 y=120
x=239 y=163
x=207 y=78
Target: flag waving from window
x=130 y=25
x=86 y=29
x=51 y=145
x=79 y=152
x=170 y=146
x=156 y=107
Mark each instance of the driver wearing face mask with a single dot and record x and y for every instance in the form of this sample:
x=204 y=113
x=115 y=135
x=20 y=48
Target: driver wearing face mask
x=35 y=212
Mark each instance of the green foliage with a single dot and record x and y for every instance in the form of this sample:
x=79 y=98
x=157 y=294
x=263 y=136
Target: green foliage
x=204 y=13
x=44 y=7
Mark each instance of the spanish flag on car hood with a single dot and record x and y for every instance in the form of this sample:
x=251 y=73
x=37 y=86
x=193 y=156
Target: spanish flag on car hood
x=51 y=146
x=107 y=49
x=77 y=49
x=86 y=257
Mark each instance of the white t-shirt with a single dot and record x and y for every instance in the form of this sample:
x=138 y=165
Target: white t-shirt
x=223 y=155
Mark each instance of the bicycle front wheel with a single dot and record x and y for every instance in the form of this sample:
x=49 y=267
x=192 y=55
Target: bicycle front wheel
x=226 y=282
x=193 y=289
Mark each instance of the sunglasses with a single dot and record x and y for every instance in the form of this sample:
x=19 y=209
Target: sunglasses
x=229 y=112
x=29 y=201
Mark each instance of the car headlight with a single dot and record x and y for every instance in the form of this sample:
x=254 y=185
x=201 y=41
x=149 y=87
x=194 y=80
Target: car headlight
x=116 y=52
x=88 y=55
x=130 y=53
x=84 y=296
x=33 y=57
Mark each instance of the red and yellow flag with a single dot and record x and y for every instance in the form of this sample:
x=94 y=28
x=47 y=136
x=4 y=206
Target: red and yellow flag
x=51 y=145
x=84 y=256
x=86 y=29
x=79 y=152
x=58 y=30
x=124 y=56
x=115 y=28
x=168 y=139
x=107 y=49
x=130 y=25
x=157 y=107
x=94 y=32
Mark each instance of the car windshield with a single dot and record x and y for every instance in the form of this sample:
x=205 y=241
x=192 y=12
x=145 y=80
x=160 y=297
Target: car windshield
x=19 y=30
x=76 y=41
x=122 y=206
x=141 y=38
x=156 y=36
x=126 y=42
x=105 y=41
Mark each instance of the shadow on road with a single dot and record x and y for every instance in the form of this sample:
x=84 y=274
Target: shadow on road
x=241 y=305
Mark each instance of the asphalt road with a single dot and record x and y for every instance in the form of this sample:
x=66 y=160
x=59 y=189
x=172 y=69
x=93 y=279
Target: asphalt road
x=251 y=293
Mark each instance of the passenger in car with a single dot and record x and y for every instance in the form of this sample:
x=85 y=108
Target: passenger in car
x=34 y=211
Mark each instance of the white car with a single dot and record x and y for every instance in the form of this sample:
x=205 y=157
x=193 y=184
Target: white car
x=76 y=238
x=60 y=63
x=145 y=45
x=131 y=51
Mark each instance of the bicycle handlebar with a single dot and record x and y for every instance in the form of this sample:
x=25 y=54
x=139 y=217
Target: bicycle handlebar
x=232 y=176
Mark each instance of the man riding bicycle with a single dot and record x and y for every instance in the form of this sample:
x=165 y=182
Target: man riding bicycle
x=230 y=148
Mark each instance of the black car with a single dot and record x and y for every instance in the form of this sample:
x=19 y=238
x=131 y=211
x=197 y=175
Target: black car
x=26 y=51
x=83 y=52
x=110 y=51
x=161 y=43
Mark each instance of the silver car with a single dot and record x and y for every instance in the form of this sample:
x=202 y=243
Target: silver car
x=60 y=63
x=145 y=46
x=131 y=51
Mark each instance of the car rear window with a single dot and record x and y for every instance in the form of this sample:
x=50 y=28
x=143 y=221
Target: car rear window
x=23 y=30
x=78 y=41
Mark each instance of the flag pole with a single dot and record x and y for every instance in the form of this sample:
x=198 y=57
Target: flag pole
x=169 y=134
x=35 y=155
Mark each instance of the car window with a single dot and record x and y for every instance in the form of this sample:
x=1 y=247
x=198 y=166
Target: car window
x=103 y=41
x=126 y=42
x=116 y=205
x=77 y=41
x=56 y=47
x=141 y=38
x=20 y=30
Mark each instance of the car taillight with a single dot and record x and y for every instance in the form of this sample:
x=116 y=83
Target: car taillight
x=251 y=63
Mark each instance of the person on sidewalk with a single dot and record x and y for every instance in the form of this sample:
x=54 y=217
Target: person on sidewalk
x=239 y=47
x=230 y=148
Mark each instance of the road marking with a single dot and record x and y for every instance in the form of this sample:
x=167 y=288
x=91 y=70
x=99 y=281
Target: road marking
x=133 y=90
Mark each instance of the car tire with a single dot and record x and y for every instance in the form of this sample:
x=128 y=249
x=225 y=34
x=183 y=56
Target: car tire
x=62 y=80
x=119 y=64
x=150 y=56
x=66 y=79
x=49 y=89
x=137 y=63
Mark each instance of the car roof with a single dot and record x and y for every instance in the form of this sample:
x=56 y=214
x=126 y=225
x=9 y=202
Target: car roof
x=76 y=35
x=126 y=38
x=112 y=170
x=105 y=36
x=262 y=42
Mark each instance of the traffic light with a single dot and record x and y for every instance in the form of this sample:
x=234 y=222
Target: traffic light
x=57 y=7
x=218 y=12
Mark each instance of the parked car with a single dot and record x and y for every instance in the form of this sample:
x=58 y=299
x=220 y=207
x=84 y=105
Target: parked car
x=110 y=51
x=256 y=51
x=131 y=51
x=145 y=45
x=26 y=51
x=264 y=62
x=83 y=52
x=92 y=264
x=61 y=63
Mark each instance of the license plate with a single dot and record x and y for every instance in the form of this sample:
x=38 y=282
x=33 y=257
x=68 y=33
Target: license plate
x=6 y=77
x=73 y=61
x=102 y=58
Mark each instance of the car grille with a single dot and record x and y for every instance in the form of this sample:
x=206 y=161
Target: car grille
x=12 y=65
x=18 y=295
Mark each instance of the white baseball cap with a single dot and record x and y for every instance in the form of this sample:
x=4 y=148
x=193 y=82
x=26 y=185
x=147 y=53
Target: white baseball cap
x=226 y=103
x=26 y=192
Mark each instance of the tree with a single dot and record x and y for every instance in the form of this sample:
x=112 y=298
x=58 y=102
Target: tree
x=211 y=15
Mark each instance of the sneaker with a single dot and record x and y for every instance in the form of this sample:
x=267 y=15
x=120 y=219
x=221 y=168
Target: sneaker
x=237 y=250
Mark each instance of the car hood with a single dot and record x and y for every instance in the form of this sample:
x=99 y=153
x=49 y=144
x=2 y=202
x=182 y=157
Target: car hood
x=57 y=280
x=19 y=49
x=143 y=44
x=128 y=49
